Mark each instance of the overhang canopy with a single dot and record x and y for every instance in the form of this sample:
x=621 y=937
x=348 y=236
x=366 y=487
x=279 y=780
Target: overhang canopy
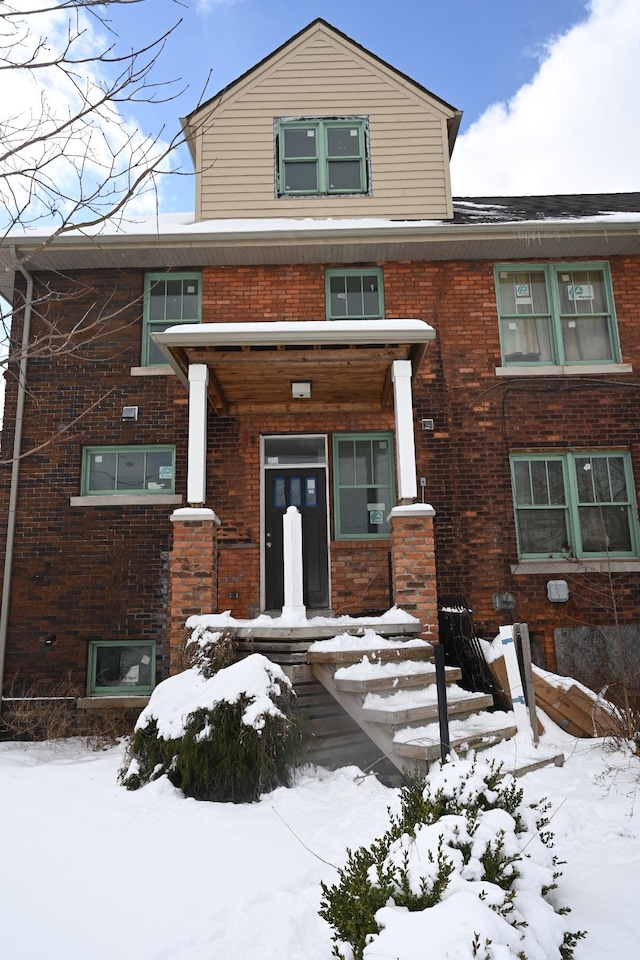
x=253 y=365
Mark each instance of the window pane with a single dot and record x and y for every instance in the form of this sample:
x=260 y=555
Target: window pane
x=346 y=462
x=174 y=300
x=364 y=471
x=381 y=461
x=124 y=666
x=159 y=470
x=343 y=142
x=294 y=450
x=102 y=471
x=344 y=175
x=157 y=300
x=582 y=291
x=555 y=475
x=605 y=529
x=542 y=531
x=354 y=296
x=526 y=340
x=154 y=354
x=338 y=296
x=364 y=511
x=539 y=482
x=190 y=300
x=371 y=296
x=586 y=339
x=299 y=141
x=523 y=293
x=301 y=176
x=522 y=483
x=130 y=471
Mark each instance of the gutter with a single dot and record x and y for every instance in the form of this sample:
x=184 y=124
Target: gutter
x=15 y=468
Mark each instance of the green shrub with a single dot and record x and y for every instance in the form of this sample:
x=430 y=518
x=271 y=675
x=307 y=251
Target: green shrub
x=465 y=819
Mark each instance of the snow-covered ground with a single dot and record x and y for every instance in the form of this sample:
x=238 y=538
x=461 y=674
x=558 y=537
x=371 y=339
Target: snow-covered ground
x=89 y=871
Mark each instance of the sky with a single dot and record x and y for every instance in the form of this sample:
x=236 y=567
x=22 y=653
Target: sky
x=548 y=89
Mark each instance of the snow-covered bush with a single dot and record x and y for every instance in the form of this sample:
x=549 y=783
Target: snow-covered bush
x=226 y=734
x=465 y=870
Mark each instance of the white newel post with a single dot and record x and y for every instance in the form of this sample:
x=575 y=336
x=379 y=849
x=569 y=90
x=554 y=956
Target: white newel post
x=292 y=551
x=197 y=464
x=405 y=440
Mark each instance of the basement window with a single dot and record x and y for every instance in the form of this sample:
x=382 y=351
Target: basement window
x=121 y=668
x=321 y=156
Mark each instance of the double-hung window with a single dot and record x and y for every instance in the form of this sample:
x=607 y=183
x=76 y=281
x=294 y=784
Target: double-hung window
x=322 y=156
x=364 y=488
x=354 y=294
x=556 y=314
x=574 y=505
x=128 y=470
x=169 y=298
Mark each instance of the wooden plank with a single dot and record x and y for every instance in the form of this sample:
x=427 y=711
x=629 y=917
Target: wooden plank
x=383 y=654
x=398 y=681
x=469 y=705
x=574 y=711
x=477 y=742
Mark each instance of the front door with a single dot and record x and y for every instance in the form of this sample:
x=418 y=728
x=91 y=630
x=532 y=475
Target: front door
x=304 y=487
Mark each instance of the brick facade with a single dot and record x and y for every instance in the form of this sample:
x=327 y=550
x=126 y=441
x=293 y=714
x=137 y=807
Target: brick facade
x=90 y=572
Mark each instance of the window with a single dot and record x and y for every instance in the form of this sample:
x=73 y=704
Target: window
x=169 y=298
x=128 y=470
x=574 y=505
x=364 y=489
x=556 y=314
x=121 y=668
x=322 y=156
x=354 y=294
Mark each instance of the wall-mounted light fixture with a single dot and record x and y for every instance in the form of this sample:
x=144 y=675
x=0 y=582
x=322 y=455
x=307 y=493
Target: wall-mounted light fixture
x=49 y=640
x=129 y=414
x=557 y=591
x=301 y=389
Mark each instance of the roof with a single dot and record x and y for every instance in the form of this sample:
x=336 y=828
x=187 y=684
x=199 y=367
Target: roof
x=565 y=206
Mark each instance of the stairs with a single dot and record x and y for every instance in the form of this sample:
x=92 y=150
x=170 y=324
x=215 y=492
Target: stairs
x=388 y=686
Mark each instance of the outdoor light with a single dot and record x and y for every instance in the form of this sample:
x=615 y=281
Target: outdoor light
x=49 y=640
x=301 y=389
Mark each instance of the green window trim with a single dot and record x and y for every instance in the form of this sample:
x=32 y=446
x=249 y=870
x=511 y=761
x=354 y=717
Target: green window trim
x=575 y=505
x=113 y=470
x=363 y=485
x=556 y=314
x=121 y=668
x=322 y=156
x=354 y=294
x=169 y=298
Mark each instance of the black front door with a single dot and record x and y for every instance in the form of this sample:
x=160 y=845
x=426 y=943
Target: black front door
x=304 y=488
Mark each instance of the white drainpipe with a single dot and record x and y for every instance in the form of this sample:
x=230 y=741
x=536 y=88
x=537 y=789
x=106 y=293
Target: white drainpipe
x=15 y=469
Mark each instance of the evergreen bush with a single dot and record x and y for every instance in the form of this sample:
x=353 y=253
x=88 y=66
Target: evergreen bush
x=465 y=822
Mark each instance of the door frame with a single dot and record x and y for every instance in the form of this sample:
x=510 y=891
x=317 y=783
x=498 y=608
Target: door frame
x=263 y=469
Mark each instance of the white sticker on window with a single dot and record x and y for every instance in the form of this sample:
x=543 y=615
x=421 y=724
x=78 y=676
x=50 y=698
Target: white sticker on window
x=375 y=516
x=165 y=473
x=98 y=458
x=512 y=325
x=580 y=291
x=353 y=133
x=311 y=133
x=375 y=506
x=145 y=660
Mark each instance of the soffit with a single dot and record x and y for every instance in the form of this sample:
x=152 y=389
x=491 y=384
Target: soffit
x=252 y=365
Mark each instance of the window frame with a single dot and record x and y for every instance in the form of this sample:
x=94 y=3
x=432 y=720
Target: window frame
x=94 y=690
x=148 y=325
x=85 y=473
x=573 y=504
x=338 y=487
x=322 y=157
x=550 y=272
x=354 y=272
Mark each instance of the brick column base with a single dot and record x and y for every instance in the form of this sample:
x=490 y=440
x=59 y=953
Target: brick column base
x=413 y=565
x=193 y=580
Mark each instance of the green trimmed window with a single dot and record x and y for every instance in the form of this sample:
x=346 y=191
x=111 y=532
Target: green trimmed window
x=354 y=294
x=574 y=505
x=121 y=668
x=558 y=313
x=364 y=485
x=169 y=298
x=322 y=156
x=129 y=470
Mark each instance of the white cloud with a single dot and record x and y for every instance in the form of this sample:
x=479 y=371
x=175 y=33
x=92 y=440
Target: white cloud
x=47 y=172
x=574 y=128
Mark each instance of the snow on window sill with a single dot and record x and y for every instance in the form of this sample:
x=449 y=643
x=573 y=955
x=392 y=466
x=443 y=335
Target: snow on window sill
x=568 y=370
x=153 y=371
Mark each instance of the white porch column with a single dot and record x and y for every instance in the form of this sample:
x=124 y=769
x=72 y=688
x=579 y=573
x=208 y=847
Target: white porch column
x=292 y=550
x=197 y=463
x=405 y=441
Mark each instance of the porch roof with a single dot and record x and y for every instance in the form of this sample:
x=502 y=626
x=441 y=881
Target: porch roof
x=253 y=365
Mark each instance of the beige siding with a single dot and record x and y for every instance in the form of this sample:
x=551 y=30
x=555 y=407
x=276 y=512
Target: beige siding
x=322 y=75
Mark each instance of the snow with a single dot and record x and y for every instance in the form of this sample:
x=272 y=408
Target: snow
x=367 y=640
x=92 y=870
x=218 y=621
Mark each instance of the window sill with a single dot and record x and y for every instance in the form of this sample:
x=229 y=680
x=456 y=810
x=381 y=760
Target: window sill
x=95 y=702
x=127 y=500
x=619 y=565
x=568 y=370
x=157 y=371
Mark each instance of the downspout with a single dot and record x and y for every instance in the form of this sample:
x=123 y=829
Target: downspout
x=15 y=469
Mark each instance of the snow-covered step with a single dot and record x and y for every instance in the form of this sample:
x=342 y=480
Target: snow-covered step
x=346 y=648
x=407 y=706
x=370 y=675
x=477 y=732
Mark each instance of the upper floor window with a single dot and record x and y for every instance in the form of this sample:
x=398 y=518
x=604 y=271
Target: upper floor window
x=129 y=470
x=322 y=156
x=363 y=488
x=169 y=298
x=557 y=313
x=354 y=294
x=574 y=505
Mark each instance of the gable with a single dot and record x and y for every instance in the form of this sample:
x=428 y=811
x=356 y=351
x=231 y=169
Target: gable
x=322 y=74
